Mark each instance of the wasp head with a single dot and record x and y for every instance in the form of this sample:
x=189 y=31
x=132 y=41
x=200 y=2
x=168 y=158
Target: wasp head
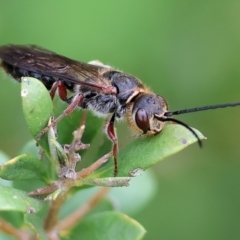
x=145 y=112
x=150 y=112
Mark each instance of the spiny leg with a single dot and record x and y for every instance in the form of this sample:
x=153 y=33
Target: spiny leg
x=113 y=137
x=77 y=100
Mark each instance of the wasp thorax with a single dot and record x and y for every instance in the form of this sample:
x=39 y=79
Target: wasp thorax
x=144 y=110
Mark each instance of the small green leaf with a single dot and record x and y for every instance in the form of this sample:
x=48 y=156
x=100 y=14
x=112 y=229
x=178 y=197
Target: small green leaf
x=145 y=152
x=37 y=107
x=23 y=167
x=16 y=200
x=4 y=158
x=108 y=226
x=57 y=154
x=61 y=156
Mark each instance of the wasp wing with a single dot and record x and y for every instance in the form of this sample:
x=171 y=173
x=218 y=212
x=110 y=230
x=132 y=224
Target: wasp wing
x=45 y=62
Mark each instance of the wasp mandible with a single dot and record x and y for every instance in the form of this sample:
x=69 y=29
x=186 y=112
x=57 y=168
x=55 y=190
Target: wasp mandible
x=96 y=87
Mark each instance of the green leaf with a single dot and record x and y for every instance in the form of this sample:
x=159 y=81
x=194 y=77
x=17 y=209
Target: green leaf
x=82 y=197
x=16 y=200
x=3 y=159
x=36 y=224
x=145 y=152
x=60 y=155
x=142 y=188
x=26 y=185
x=30 y=148
x=14 y=217
x=108 y=226
x=23 y=167
x=54 y=158
x=37 y=107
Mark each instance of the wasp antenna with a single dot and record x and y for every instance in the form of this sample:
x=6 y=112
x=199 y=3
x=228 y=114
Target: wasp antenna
x=185 y=125
x=198 y=109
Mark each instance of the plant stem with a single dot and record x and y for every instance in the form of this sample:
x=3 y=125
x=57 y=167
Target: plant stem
x=52 y=216
x=87 y=171
x=11 y=230
x=77 y=215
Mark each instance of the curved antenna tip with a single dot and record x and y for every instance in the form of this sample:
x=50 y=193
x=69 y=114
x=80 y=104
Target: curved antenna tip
x=184 y=125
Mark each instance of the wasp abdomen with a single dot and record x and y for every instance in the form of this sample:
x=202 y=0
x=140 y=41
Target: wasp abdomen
x=17 y=73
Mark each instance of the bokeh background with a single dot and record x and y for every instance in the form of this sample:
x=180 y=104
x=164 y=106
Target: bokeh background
x=188 y=52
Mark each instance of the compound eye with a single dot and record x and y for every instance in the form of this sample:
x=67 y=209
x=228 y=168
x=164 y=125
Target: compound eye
x=141 y=119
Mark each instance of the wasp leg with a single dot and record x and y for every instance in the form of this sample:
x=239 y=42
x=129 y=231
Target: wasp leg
x=53 y=90
x=113 y=137
x=62 y=91
x=77 y=100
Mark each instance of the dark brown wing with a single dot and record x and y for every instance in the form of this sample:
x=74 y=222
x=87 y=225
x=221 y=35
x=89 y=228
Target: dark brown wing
x=45 y=62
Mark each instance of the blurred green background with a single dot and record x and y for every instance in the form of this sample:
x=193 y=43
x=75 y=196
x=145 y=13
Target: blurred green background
x=188 y=52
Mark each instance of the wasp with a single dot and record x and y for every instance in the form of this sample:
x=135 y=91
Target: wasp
x=98 y=88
